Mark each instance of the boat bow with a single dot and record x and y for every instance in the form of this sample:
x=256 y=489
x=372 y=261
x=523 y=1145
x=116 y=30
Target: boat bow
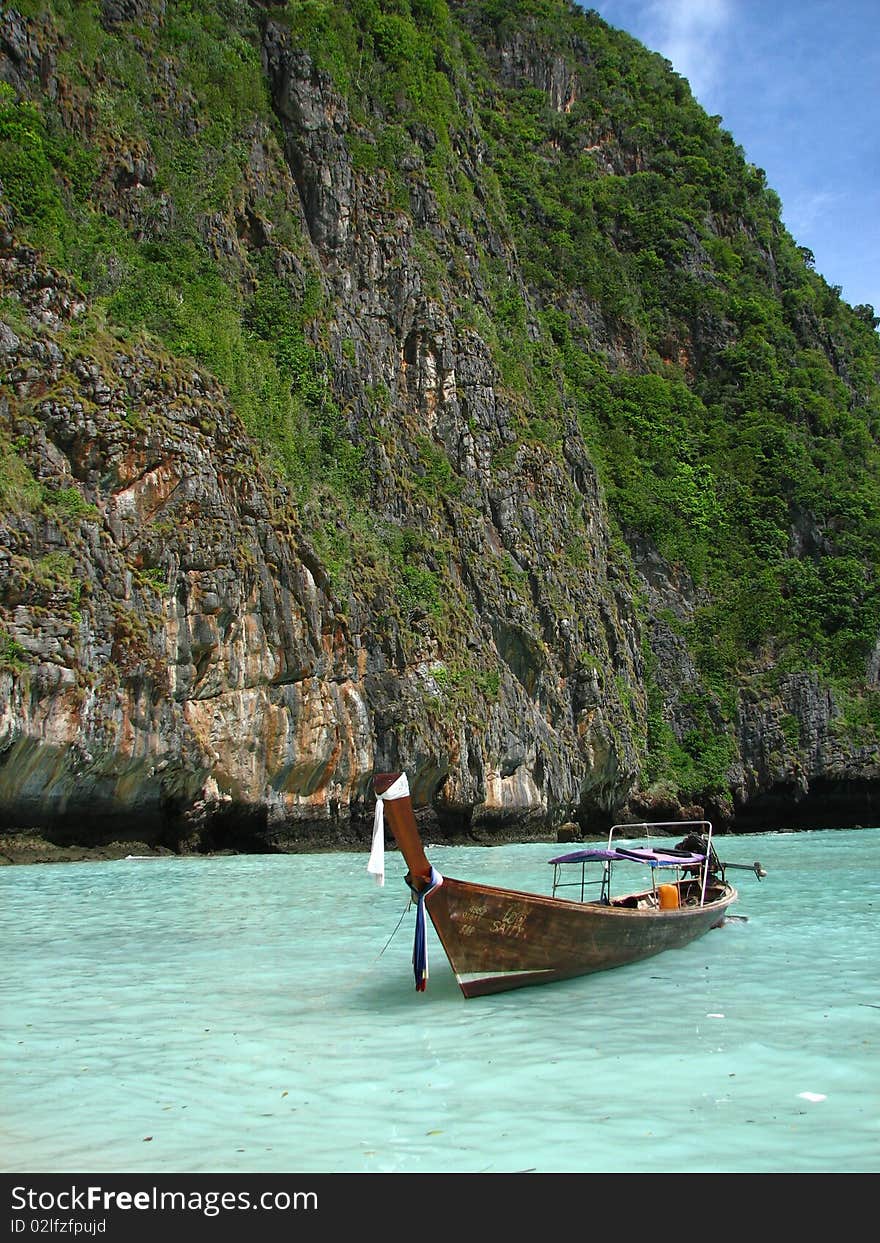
x=393 y=799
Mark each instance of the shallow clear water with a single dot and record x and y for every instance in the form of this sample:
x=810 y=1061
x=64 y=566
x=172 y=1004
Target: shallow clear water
x=258 y=1014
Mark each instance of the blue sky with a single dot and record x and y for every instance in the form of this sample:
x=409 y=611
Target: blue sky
x=797 y=83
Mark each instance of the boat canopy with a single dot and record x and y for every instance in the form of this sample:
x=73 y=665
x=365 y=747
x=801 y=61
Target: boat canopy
x=637 y=854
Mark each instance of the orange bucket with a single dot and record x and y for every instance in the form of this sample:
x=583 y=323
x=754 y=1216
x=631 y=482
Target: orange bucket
x=668 y=895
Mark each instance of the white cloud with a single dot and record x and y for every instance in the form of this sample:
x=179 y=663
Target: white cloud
x=690 y=34
x=806 y=211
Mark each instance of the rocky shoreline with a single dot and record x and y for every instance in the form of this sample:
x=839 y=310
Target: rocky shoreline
x=30 y=846
x=62 y=844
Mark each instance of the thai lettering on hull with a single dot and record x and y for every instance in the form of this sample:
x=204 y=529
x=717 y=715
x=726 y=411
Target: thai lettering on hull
x=511 y=924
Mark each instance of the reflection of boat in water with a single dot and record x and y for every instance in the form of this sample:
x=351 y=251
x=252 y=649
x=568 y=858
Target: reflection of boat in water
x=499 y=939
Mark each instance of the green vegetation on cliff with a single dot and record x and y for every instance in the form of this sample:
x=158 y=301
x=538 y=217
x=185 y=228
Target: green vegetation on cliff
x=728 y=397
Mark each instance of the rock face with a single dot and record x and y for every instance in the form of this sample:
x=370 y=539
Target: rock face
x=180 y=654
x=178 y=658
x=179 y=667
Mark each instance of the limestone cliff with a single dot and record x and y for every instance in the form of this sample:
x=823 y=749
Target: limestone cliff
x=200 y=651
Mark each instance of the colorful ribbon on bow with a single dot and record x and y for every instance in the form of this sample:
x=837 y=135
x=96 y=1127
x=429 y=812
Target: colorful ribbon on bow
x=420 y=946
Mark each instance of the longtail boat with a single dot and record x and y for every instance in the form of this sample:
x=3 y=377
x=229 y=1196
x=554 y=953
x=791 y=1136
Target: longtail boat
x=498 y=939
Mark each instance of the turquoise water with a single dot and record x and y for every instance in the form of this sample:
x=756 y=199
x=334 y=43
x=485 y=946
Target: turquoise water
x=258 y=1014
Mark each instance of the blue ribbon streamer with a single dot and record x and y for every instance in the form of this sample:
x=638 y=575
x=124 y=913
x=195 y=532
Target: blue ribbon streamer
x=420 y=946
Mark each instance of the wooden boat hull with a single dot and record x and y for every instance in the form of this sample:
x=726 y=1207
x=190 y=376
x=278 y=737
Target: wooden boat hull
x=500 y=939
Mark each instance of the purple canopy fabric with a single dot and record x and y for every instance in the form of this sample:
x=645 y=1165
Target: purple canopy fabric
x=655 y=858
x=586 y=856
x=660 y=858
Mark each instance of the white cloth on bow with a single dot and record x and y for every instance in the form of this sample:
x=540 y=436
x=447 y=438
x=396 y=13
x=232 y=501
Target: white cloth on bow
x=376 y=862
